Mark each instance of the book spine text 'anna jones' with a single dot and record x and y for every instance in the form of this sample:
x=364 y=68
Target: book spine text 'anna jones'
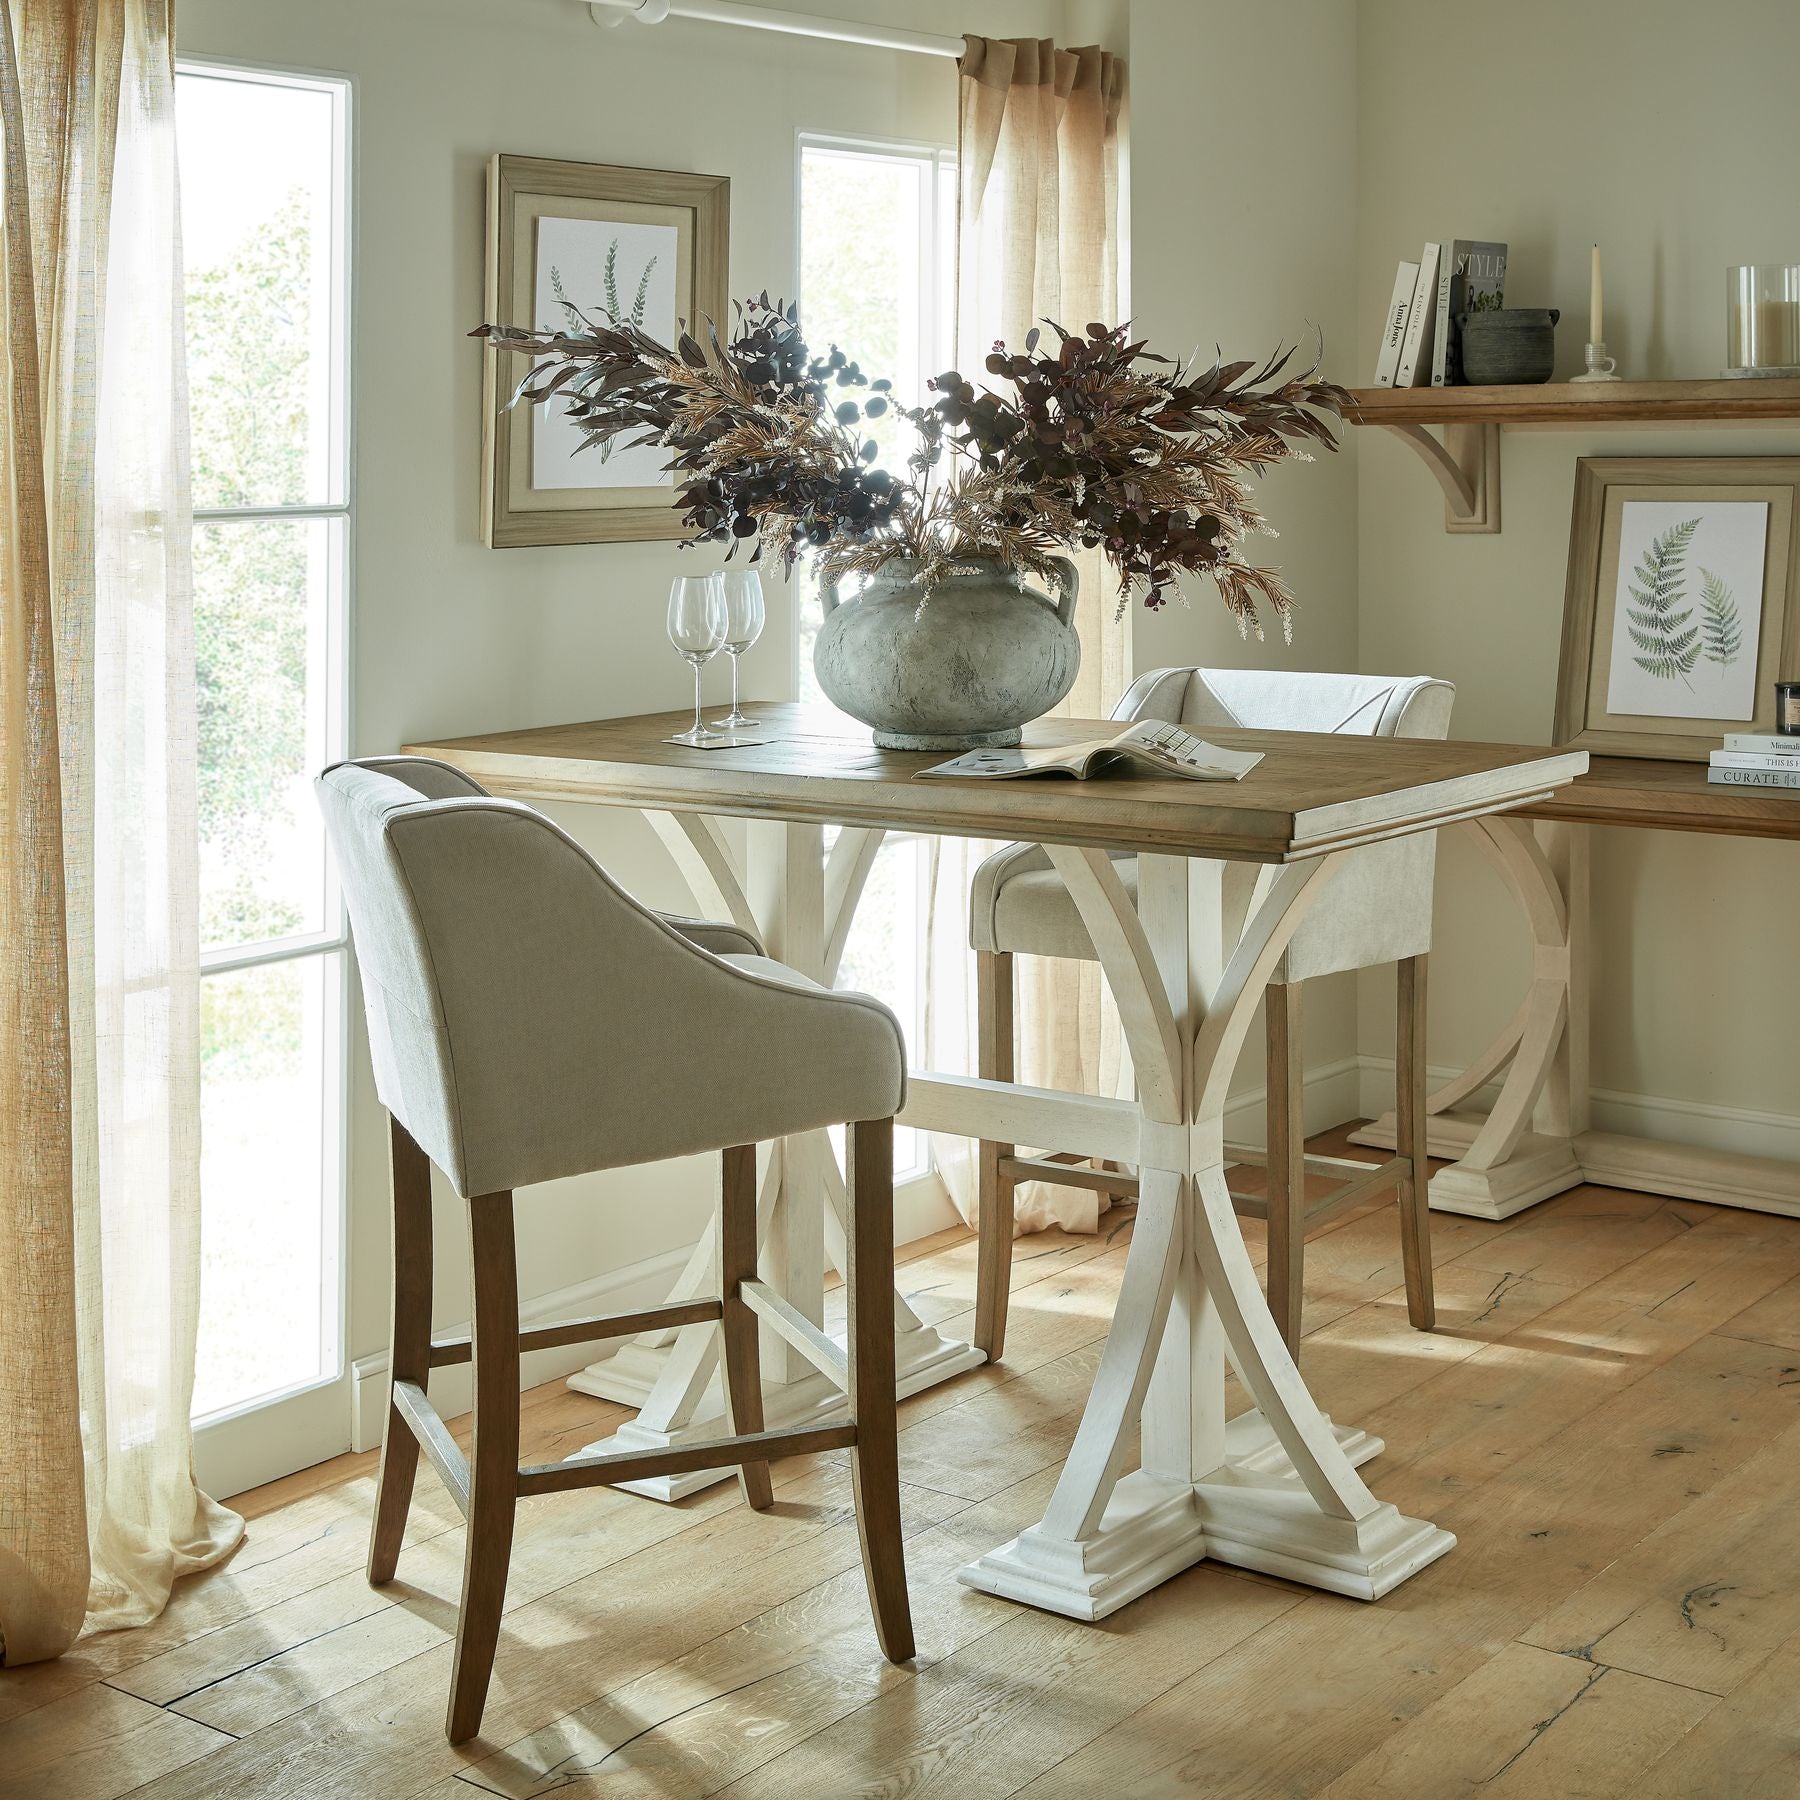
x=1415 y=353
x=1393 y=331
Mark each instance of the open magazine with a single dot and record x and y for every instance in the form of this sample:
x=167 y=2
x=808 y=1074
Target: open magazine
x=1162 y=749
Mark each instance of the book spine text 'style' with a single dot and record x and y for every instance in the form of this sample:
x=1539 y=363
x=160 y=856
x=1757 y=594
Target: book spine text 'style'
x=1472 y=279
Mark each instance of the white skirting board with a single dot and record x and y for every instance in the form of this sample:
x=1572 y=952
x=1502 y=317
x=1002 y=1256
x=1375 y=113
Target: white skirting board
x=1734 y=1130
x=1333 y=1091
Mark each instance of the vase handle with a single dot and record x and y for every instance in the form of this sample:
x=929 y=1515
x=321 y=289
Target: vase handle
x=1068 y=584
x=828 y=595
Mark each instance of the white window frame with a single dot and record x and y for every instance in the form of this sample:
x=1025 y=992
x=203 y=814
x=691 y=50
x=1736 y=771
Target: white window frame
x=258 y=1440
x=939 y=160
x=935 y=161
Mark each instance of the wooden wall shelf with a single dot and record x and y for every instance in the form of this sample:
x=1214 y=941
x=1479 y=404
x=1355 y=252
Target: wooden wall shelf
x=1466 y=459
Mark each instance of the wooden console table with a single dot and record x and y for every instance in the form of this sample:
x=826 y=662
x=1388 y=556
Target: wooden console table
x=1226 y=872
x=1536 y=1140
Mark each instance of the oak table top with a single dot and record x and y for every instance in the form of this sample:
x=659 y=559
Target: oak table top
x=1312 y=793
x=1670 y=796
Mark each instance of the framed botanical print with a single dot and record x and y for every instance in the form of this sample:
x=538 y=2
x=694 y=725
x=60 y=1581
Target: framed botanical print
x=1683 y=606
x=567 y=239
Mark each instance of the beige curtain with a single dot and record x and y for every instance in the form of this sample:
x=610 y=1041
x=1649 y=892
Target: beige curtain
x=99 y=1065
x=1038 y=237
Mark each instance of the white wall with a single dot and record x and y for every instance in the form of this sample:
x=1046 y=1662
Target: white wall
x=1666 y=132
x=449 y=637
x=1243 y=168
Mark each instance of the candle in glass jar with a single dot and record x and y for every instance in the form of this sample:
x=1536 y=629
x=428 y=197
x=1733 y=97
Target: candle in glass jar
x=1773 y=345
x=1596 y=328
x=1763 y=317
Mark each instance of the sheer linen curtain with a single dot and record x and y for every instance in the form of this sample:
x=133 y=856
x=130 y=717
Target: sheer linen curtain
x=99 y=985
x=1038 y=149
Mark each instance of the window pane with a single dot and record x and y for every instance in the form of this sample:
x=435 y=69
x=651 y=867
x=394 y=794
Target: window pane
x=263 y=610
x=268 y=1212
x=884 y=956
x=257 y=180
x=865 y=244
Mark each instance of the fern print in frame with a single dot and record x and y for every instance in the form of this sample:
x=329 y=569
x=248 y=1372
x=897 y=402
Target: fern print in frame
x=1667 y=642
x=667 y=233
x=599 y=266
x=609 y=309
x=1721 y=630
x=1687 y=609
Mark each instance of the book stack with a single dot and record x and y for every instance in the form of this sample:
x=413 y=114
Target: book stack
x=1757 y=759
x=1421 y=331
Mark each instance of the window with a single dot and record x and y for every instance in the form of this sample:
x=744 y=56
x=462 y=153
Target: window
x=876 y=251
x=264 y=216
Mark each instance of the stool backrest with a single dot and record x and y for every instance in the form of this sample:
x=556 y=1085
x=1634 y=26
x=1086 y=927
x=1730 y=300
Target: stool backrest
x=1416 y=706
x=526 y=1015
x=1377 y=908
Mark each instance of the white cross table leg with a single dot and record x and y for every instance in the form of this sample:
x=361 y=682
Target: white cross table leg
x=1276 y=1488
x=801 y=902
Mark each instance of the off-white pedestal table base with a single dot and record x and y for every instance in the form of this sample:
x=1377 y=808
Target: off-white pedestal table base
x=1275 y=1489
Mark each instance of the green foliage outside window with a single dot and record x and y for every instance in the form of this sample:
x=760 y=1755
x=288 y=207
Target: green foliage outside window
x=249 y=355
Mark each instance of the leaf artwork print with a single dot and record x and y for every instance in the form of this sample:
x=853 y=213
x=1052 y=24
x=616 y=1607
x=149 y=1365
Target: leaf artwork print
x=1668 y=643
x=1721 y=630
x=578 y=321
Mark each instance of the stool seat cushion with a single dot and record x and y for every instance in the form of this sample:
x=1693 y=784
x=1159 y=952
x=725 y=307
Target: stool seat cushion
x=1018 y=903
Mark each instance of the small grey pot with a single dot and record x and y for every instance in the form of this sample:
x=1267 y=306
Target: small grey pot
x=1514 y=347
x=962 y=669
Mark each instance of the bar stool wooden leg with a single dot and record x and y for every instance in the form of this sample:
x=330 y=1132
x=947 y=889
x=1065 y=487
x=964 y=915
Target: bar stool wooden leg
x=1409 y=1142
x=1287 y=1162
x=737 y=1323
x=493 y=1464
x=874 y=1460
x=994 y=1216
x=409 y=1345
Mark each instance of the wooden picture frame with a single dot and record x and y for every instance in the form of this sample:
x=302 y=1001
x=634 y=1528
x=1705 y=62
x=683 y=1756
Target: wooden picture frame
x=652 y=243
x=1662 y=653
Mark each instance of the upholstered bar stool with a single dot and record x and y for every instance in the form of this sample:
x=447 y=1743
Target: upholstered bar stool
x=529 y=1020
x=1376 y=909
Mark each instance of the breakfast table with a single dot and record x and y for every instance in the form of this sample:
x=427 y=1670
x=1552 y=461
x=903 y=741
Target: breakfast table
x=1227 y=871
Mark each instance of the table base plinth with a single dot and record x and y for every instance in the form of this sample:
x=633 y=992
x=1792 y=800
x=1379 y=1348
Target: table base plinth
x=922 y=1359
x=1539 y=1167
x=1252 y=1513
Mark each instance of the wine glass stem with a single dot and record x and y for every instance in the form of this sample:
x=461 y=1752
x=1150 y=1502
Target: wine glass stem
x=696 y=725
x=734 y=704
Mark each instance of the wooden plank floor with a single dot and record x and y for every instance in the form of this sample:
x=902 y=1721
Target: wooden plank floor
x=1608 y=1417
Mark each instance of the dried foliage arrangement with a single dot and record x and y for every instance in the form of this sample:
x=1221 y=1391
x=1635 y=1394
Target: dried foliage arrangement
x=1096 y=443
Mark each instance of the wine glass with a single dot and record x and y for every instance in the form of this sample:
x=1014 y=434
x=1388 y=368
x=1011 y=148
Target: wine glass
x=696 y=629
x=743 y=626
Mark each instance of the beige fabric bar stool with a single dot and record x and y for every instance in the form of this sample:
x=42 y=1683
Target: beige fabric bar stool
x=1377 y=909
x=529 y=1020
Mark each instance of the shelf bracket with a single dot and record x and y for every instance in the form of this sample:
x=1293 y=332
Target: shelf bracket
x=1466 y=462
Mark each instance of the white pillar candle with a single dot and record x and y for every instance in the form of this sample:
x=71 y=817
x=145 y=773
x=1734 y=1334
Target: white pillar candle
x=1596 y=330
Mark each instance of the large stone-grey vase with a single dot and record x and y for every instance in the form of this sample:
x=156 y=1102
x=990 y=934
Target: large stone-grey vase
x=961 y=669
